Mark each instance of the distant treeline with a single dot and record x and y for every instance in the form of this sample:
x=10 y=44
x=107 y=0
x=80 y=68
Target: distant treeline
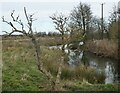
x=42 y=34
x=38 y=34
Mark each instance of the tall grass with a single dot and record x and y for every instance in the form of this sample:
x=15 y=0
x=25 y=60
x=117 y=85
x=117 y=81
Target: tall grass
x=81 y=72
x=20 y=71
x=52 y=59
x=107 y=48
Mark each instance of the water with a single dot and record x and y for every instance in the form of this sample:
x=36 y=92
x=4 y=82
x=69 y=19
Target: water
x=100 y=64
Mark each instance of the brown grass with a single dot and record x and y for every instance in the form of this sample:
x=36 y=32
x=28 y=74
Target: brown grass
x=106 y=48
x=51 y=60
x=47 y=40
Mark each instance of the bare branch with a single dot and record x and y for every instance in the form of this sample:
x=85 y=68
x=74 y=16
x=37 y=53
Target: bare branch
x=30 y=21
x=9 y=23
x=17 y=18
x=3 y=19
x=14 y=28
x=5 y=32
x=11 y=33
x=60 y=22
x=26 y=14
x=12 y=15
x=21 y=24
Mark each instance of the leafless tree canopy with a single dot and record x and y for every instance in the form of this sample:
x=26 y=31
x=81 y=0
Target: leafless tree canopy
x=61 y=25
x=60 y=22
x=81 y=17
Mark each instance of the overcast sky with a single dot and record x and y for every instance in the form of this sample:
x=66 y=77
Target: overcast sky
x=43 y=9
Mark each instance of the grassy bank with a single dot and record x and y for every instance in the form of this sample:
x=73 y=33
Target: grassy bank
x=20 y=72
x=85 y=86
x=105 y=48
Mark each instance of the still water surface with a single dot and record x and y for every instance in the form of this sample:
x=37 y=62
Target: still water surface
x=100 y=64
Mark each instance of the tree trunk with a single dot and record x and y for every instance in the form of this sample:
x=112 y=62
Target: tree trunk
x=63 y=45
x=40 y=64
x=57 y=82
x=84 y=25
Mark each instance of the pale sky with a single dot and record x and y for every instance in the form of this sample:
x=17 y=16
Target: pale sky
x=45 y=8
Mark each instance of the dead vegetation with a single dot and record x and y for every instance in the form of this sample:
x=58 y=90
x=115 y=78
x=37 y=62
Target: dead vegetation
x=106 y=48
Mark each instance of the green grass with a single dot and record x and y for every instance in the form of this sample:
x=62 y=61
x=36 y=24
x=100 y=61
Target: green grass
x=20 y=72
x=97 y=87
x=85 y=86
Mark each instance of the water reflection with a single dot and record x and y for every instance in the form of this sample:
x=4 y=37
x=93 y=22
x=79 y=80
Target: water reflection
x=109 y=73
x=106 y=65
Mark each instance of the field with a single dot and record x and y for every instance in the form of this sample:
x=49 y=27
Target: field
x=20 y=72
x=75 y=49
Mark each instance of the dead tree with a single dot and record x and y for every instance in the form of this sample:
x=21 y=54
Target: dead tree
x=31 y=35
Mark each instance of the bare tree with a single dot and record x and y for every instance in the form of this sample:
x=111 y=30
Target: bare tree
x=31 y=35
x=114 y=15
x=81 y=17
x=95 y=26
x=60 y=22
x=114 y=23
x=60 y=25
x=75 y=36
